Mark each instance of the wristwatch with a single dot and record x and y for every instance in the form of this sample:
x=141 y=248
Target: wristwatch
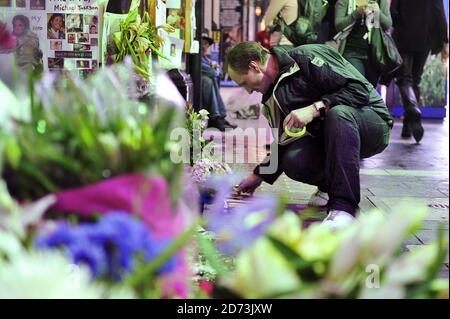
x=321 y=108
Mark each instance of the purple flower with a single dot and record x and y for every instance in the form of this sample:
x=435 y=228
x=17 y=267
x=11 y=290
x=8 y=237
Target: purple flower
x=239 y=227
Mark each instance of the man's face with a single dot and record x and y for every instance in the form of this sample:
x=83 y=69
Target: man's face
x=254 y=80
x=205 y=46
x=18 y=28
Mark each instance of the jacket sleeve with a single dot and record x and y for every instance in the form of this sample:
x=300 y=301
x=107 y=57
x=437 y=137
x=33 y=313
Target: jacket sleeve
x=270 y=178
x=341 y=19
x=385 y=15
x=335 y=88
x=273 y=10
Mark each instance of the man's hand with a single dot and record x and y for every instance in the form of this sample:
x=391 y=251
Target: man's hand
x=360 y=11
x=249 y=184
x=300 y=117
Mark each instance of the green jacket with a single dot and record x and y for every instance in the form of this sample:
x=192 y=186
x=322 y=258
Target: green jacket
x=344 y=21
x=311 y=73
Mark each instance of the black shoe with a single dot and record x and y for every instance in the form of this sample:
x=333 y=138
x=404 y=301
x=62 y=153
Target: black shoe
x=414 y=118
x=217 y=123
x=253 y=111
x=241 y=114
x=417 y=129
x=233 y=126
x=406 y=129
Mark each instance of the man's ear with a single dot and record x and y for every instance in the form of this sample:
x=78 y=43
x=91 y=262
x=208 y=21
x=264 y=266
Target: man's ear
x=254 y=66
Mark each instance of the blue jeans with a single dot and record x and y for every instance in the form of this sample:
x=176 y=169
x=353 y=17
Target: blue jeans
x=212 y=101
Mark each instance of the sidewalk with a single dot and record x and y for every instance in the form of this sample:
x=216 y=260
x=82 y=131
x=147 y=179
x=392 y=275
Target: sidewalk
x=404 y=171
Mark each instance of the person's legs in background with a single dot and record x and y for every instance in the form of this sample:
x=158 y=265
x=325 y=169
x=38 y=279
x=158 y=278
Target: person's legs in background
x=214 y=104
x=412 y=118
x=420 y=58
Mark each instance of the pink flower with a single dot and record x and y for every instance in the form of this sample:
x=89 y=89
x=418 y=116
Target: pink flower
x=206 y=287
x=149 y=197
x=7 y=40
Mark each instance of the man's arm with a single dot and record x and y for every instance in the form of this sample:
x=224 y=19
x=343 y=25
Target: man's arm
x=341 y=19
x=274 y=8
x=385 y=15
x=271 y=159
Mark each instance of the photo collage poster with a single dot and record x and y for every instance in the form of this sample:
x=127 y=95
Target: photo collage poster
x=171 y=12
x=60 y=34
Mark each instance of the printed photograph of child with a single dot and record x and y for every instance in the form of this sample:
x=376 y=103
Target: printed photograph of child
x=55 y=63
x=5 y=3
x=81 y=47
x=56 y=45
x=37 y=4
x=71 y=37
x=92 y=29
x=83 y=38
x=74 y=22
x=82 y=64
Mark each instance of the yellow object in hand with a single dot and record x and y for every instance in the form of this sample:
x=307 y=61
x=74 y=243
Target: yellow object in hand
x=296 y=133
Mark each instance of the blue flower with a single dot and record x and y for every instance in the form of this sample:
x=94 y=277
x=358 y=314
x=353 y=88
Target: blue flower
x=156 y=247
x=93 y=256
x=108 y=247
x=63 y=235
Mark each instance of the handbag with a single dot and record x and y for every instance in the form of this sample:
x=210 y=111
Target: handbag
x=384 y=54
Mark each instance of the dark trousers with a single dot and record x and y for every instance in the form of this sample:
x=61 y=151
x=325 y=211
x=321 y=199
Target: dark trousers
x=410 y=73
x=331 y=161
x=212 y=100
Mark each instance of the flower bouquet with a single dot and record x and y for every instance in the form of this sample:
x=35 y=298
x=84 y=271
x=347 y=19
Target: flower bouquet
x=364 y=261
x=95 y=149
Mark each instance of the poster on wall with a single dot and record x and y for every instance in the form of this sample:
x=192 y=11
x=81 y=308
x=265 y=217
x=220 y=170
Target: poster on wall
x=54 y=34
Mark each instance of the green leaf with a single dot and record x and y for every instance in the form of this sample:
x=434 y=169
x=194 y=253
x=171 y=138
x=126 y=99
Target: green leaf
x=294 y=259
x=12 y=151
x=211 y=254
x=304 y=269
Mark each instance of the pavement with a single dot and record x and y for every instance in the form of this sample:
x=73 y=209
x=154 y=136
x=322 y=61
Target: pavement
x=405 y=171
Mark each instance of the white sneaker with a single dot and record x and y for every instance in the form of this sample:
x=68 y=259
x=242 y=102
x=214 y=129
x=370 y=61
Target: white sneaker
x=338 y=219
x=319 y=199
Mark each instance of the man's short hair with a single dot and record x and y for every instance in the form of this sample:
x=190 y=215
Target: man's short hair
x=240 y=56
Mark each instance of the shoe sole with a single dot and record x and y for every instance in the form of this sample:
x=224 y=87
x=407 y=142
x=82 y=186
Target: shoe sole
x=417 y=130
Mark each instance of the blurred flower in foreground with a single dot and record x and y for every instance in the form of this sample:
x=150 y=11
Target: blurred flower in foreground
x=109 y=247
x=50 y=275
x=366 y=260
x=7 y=40
x=240 y=226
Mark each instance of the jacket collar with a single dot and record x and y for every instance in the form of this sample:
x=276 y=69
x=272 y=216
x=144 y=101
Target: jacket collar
x=285 y=63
